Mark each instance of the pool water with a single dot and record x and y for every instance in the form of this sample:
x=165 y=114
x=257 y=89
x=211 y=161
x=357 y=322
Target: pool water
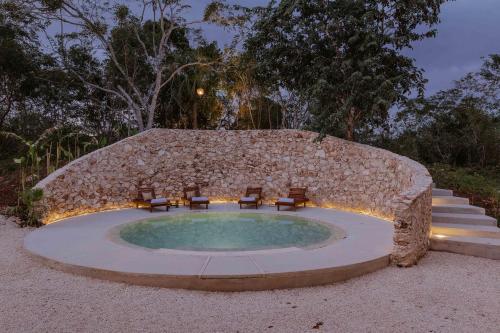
x=225 y=232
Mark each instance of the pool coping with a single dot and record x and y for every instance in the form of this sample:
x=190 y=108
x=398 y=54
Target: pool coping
x=81 y=245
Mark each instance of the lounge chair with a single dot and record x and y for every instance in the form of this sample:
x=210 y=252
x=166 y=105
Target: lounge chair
x=253 y=196
x=146 y=197
x=193 y=197
x=296 y=196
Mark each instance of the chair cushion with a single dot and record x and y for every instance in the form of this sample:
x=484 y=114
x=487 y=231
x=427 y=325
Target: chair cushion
x=147 y=196
x=159 y=201
x=286 y=200
x=194 y=199
x=248 y=199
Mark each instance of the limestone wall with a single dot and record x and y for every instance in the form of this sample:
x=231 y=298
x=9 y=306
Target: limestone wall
x=338 y=174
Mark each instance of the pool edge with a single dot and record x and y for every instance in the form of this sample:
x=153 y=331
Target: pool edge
x=229 y=283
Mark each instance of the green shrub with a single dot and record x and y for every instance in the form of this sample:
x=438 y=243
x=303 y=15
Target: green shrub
x=26 y=208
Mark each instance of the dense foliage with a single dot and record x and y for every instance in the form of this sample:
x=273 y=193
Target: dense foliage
x=459 y=126
x=343 y=56
x=78 y=75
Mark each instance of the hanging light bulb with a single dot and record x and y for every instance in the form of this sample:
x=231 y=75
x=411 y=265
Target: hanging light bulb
x=200 y=91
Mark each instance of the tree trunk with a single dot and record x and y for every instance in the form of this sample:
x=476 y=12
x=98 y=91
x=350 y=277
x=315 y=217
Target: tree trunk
x=4 y=114
x=351 y=123
x=2 y=118
x=195 y=115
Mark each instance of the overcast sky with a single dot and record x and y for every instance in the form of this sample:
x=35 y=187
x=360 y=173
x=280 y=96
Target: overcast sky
x=469 y=30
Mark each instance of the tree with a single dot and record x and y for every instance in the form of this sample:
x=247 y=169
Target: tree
x=485 y=83
x=182 y=106
x=342 y=56
x=249 y=104
x=20 y=58
x=141 y=47
x=458 y=126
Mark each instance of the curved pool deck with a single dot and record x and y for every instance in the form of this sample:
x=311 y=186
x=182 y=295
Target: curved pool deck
x=88 y=245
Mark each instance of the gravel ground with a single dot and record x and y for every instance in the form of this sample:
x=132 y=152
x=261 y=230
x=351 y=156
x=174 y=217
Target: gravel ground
x=444 y=293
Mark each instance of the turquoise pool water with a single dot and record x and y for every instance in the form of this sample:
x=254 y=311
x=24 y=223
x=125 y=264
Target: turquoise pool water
x=225 y=232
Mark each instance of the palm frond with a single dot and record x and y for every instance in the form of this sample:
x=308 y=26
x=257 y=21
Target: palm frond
x=11 y=135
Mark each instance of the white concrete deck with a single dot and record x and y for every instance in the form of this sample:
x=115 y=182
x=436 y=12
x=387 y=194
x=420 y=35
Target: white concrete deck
x=87 y=245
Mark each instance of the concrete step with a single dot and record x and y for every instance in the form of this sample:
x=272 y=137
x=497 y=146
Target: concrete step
x=471 y=246
x=441 y=192
x=447 y=200
x=465 y=230
x=458 y=209
x=473 y=219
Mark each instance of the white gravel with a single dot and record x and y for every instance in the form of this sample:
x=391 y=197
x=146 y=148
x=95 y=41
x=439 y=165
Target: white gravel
x=444 y=293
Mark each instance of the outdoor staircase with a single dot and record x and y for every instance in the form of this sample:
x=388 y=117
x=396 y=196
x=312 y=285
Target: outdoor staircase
x=461 y=228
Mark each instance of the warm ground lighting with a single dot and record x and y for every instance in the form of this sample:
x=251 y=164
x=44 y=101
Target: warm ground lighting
x=440 y=236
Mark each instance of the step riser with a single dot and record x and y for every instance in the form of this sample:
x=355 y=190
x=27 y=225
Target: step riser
x=458 y=210
x=470 y=249
x=464 y=219
x=465 y=232
x=461 y=228
x=442 y=192
x=450 y=201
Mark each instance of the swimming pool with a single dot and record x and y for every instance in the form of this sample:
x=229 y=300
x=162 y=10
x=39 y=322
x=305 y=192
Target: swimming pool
x=226 y=231
x=91 y=245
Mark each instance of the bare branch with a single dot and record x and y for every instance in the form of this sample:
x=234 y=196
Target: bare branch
x=139 y=39
x=181 y=68
x=142 y=101
x=95 y=86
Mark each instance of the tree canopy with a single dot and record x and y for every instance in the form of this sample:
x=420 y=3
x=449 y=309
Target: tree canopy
x=343 y=56
x=107 y=71
x=78 y=75
x=459 y=126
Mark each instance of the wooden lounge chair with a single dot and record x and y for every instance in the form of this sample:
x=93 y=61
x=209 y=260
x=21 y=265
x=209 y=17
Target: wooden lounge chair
x=253 y=196
x=146 y=197
x=193 y=197
x=296 y=196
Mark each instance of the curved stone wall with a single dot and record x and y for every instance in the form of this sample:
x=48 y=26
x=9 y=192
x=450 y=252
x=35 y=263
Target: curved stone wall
x=338 y=174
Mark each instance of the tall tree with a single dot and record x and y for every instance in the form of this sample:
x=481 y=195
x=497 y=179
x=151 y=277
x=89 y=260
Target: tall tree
x=190 y=100
x=20 y=58
x=458 y=126
x=141 y=44
x=343 y=56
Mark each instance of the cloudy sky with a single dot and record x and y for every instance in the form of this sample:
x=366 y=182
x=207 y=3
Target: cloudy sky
x=470 y=29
